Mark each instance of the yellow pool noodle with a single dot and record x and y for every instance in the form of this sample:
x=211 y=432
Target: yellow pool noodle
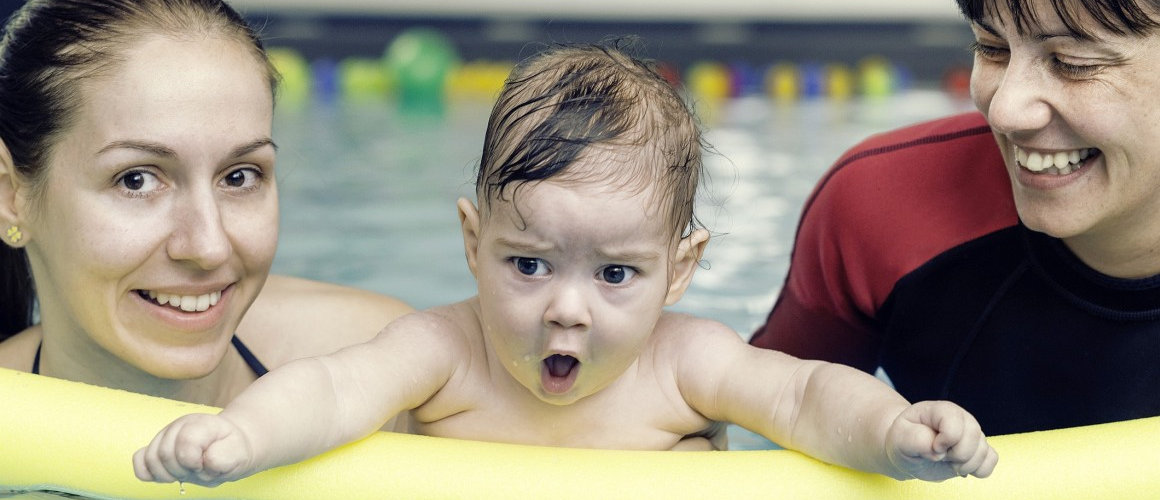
x=63 y=436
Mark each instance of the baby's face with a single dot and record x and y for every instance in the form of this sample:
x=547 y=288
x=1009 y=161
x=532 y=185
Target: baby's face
x=572 y=279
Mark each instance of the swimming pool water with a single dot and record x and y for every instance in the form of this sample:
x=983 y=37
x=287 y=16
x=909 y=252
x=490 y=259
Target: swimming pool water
x=368 y=194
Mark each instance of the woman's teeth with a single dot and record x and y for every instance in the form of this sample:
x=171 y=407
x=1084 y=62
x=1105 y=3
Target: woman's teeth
x=187 y=303
x=1059 y=163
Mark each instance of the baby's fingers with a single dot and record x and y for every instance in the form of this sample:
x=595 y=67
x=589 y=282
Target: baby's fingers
x=175 y=454
x=968 y=448
x=952 y=430
x=981 y=464
x=962 y=441
x=914 y=441
x=194 y=439
x=157 y=461
x=147 y=468
x=223 y=460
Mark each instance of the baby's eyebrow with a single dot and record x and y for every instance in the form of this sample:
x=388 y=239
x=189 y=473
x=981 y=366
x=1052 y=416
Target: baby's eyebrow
x=523 y=246
x=630 y=255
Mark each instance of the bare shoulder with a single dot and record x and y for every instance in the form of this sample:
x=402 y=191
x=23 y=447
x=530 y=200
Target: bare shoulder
x=449 y=336
x=688 y=343
x=462 y=323
x=295 y=317
x=699 y=345
x=17 y=351
x=452 y=321
x=688 y=330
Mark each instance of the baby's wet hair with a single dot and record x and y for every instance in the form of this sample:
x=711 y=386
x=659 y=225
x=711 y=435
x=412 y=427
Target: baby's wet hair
x=573 y=101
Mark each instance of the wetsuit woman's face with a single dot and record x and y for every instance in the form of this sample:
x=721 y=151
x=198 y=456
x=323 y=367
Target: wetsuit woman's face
x=1079 y=125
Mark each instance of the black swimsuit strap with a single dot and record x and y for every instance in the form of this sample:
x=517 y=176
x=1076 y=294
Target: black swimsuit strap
x=255 y=365
x=251 y=360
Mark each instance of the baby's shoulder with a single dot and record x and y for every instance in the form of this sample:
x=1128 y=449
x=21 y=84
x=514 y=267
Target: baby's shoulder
x=677 y=323
x=456 y=323
x=682 y=331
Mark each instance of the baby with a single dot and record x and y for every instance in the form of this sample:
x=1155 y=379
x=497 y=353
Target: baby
x=583 y=234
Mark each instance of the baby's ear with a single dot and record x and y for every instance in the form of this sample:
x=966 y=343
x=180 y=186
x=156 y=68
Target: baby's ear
x=469 y=223
x=685 y=262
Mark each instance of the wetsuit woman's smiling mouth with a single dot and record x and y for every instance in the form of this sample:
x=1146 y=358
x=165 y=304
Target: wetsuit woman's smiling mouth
x=1054 y=163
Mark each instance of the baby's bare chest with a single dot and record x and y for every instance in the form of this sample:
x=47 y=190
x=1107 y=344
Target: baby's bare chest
x=616 y=418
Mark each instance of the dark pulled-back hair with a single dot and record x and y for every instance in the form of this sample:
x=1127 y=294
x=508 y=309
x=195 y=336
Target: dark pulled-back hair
x=49 y=48
x=572 y=100
x=1120 y=17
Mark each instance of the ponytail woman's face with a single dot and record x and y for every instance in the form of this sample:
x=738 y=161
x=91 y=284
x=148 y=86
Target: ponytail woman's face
x=159 y=219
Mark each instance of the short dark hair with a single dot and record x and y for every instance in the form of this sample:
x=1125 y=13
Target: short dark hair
x=1116 y=16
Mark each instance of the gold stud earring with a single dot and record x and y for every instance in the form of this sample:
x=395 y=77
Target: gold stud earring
x=14 y=234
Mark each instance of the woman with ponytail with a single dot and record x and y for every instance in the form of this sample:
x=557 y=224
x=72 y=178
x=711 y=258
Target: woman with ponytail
x=139 y=209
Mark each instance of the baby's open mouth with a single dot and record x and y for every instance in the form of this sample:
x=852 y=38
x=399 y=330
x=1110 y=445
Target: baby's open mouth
x=559 y=373
x=559 y=365
x=187 y=303
x=1058 y=163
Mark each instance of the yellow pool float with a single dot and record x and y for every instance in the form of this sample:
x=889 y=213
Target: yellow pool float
x=69 y=437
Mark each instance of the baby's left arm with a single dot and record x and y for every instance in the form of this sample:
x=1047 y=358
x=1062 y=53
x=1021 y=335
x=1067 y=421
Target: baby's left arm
x=832 y=412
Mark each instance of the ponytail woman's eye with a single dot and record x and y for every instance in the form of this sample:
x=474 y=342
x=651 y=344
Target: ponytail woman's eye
x=529 y=266
x=242 y=178
x=138 y=182
x=134 y=181
x=617 y=274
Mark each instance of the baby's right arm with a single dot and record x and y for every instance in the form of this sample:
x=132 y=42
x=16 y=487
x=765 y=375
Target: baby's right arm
x=307 y=406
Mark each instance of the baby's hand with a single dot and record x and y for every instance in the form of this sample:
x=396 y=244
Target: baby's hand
x=937 y=440
x=199 y=448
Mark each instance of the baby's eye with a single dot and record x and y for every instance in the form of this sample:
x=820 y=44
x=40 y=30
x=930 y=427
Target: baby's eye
x=530 y=266
x=138 y=182
x=617 y=274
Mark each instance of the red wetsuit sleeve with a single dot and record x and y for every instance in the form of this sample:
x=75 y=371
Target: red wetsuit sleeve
x=886 y=207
